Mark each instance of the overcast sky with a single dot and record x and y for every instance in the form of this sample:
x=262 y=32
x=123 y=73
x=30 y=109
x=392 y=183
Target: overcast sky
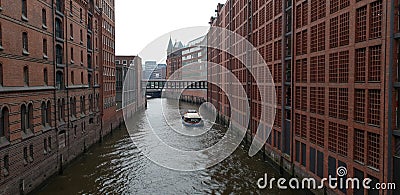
x=139 y=22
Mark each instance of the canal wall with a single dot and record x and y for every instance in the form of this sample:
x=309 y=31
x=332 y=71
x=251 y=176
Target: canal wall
x=68 y=142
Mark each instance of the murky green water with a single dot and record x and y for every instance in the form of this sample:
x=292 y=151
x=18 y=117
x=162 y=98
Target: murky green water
x=117 y=167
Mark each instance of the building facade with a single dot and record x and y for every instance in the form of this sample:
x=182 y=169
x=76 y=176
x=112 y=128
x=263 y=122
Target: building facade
x=129 y=75
x=191 y=61
x=335 y=68
x=57 y=86
x=159 y=72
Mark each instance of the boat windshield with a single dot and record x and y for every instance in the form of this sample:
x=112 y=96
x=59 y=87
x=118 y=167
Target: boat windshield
x=192 y=120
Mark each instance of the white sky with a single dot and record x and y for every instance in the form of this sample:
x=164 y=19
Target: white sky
x=139 y=22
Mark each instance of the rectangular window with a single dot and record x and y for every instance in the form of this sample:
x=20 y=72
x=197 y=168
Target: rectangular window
x=298 y=16
x=303 y=154
x=337 y=140
x=360 y=60
x=334 y=30
x=374 y=103
x=313 y=130
x=376 y=14
x=321 y=36
x=343 y=103
x=313 y=69
x=332 y=137
x=299 y=44
x=25 y=41
x=334 y=6
x=333 y=67
x=359 y=105
x=313 y=100
x=304 y=98
x=344 y=30
x=333 y=102
x=321 y=69
x=45 y=47
x=361 y=24
x=373 y=157
x=343 y=68
x=304 y=46
x=321 y=8
x=321 y=100
x=342 y=139
x=297 y=125
x=314 y=39
x=374 y=73
x=305 y=13
x=303 y=124
x=359 y=145
x=320 y=132
x=314 y=10
x=304 y=68
x=297 y=158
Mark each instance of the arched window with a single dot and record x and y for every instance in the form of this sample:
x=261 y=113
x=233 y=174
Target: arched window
x=6 y=165
x=59 y=80
x=83 y=105
x=30 y=117
x=25 y=42
x=4 y=123
x=90 y=80
x=44 y=17
x=72 y=77
x=81 y=77
x=90 y=103
x=26 y=76
x=31 y=151
x=71 y=31
x=59 y=29
x=24 y=8
x=24 y=118
x=45 y=77
x=70 y=6
x=59 y=5
x=43 y=109
x=45 y=145
x=72 y=55
x=45 y=48
x=59 y=54
x=89 y=61
x=63 y=109
x=71 y=106
x=74 y=106
x=49 y=113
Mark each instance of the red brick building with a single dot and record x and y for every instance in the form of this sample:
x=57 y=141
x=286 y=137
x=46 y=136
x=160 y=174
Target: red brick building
x=57 y=86
x=190 y=60
x=335 y=67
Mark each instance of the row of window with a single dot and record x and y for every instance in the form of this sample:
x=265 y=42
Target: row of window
x=366 y=145
x=368 y=66
x=27 y=114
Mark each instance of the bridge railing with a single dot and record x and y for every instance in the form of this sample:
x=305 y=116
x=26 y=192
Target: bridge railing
x=176 y=84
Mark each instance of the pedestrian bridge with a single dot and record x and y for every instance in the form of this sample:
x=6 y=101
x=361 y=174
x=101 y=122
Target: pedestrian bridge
x=154 y=88
x=174 y=84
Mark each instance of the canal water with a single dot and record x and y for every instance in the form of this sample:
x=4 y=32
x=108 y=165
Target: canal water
x=116 y=166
